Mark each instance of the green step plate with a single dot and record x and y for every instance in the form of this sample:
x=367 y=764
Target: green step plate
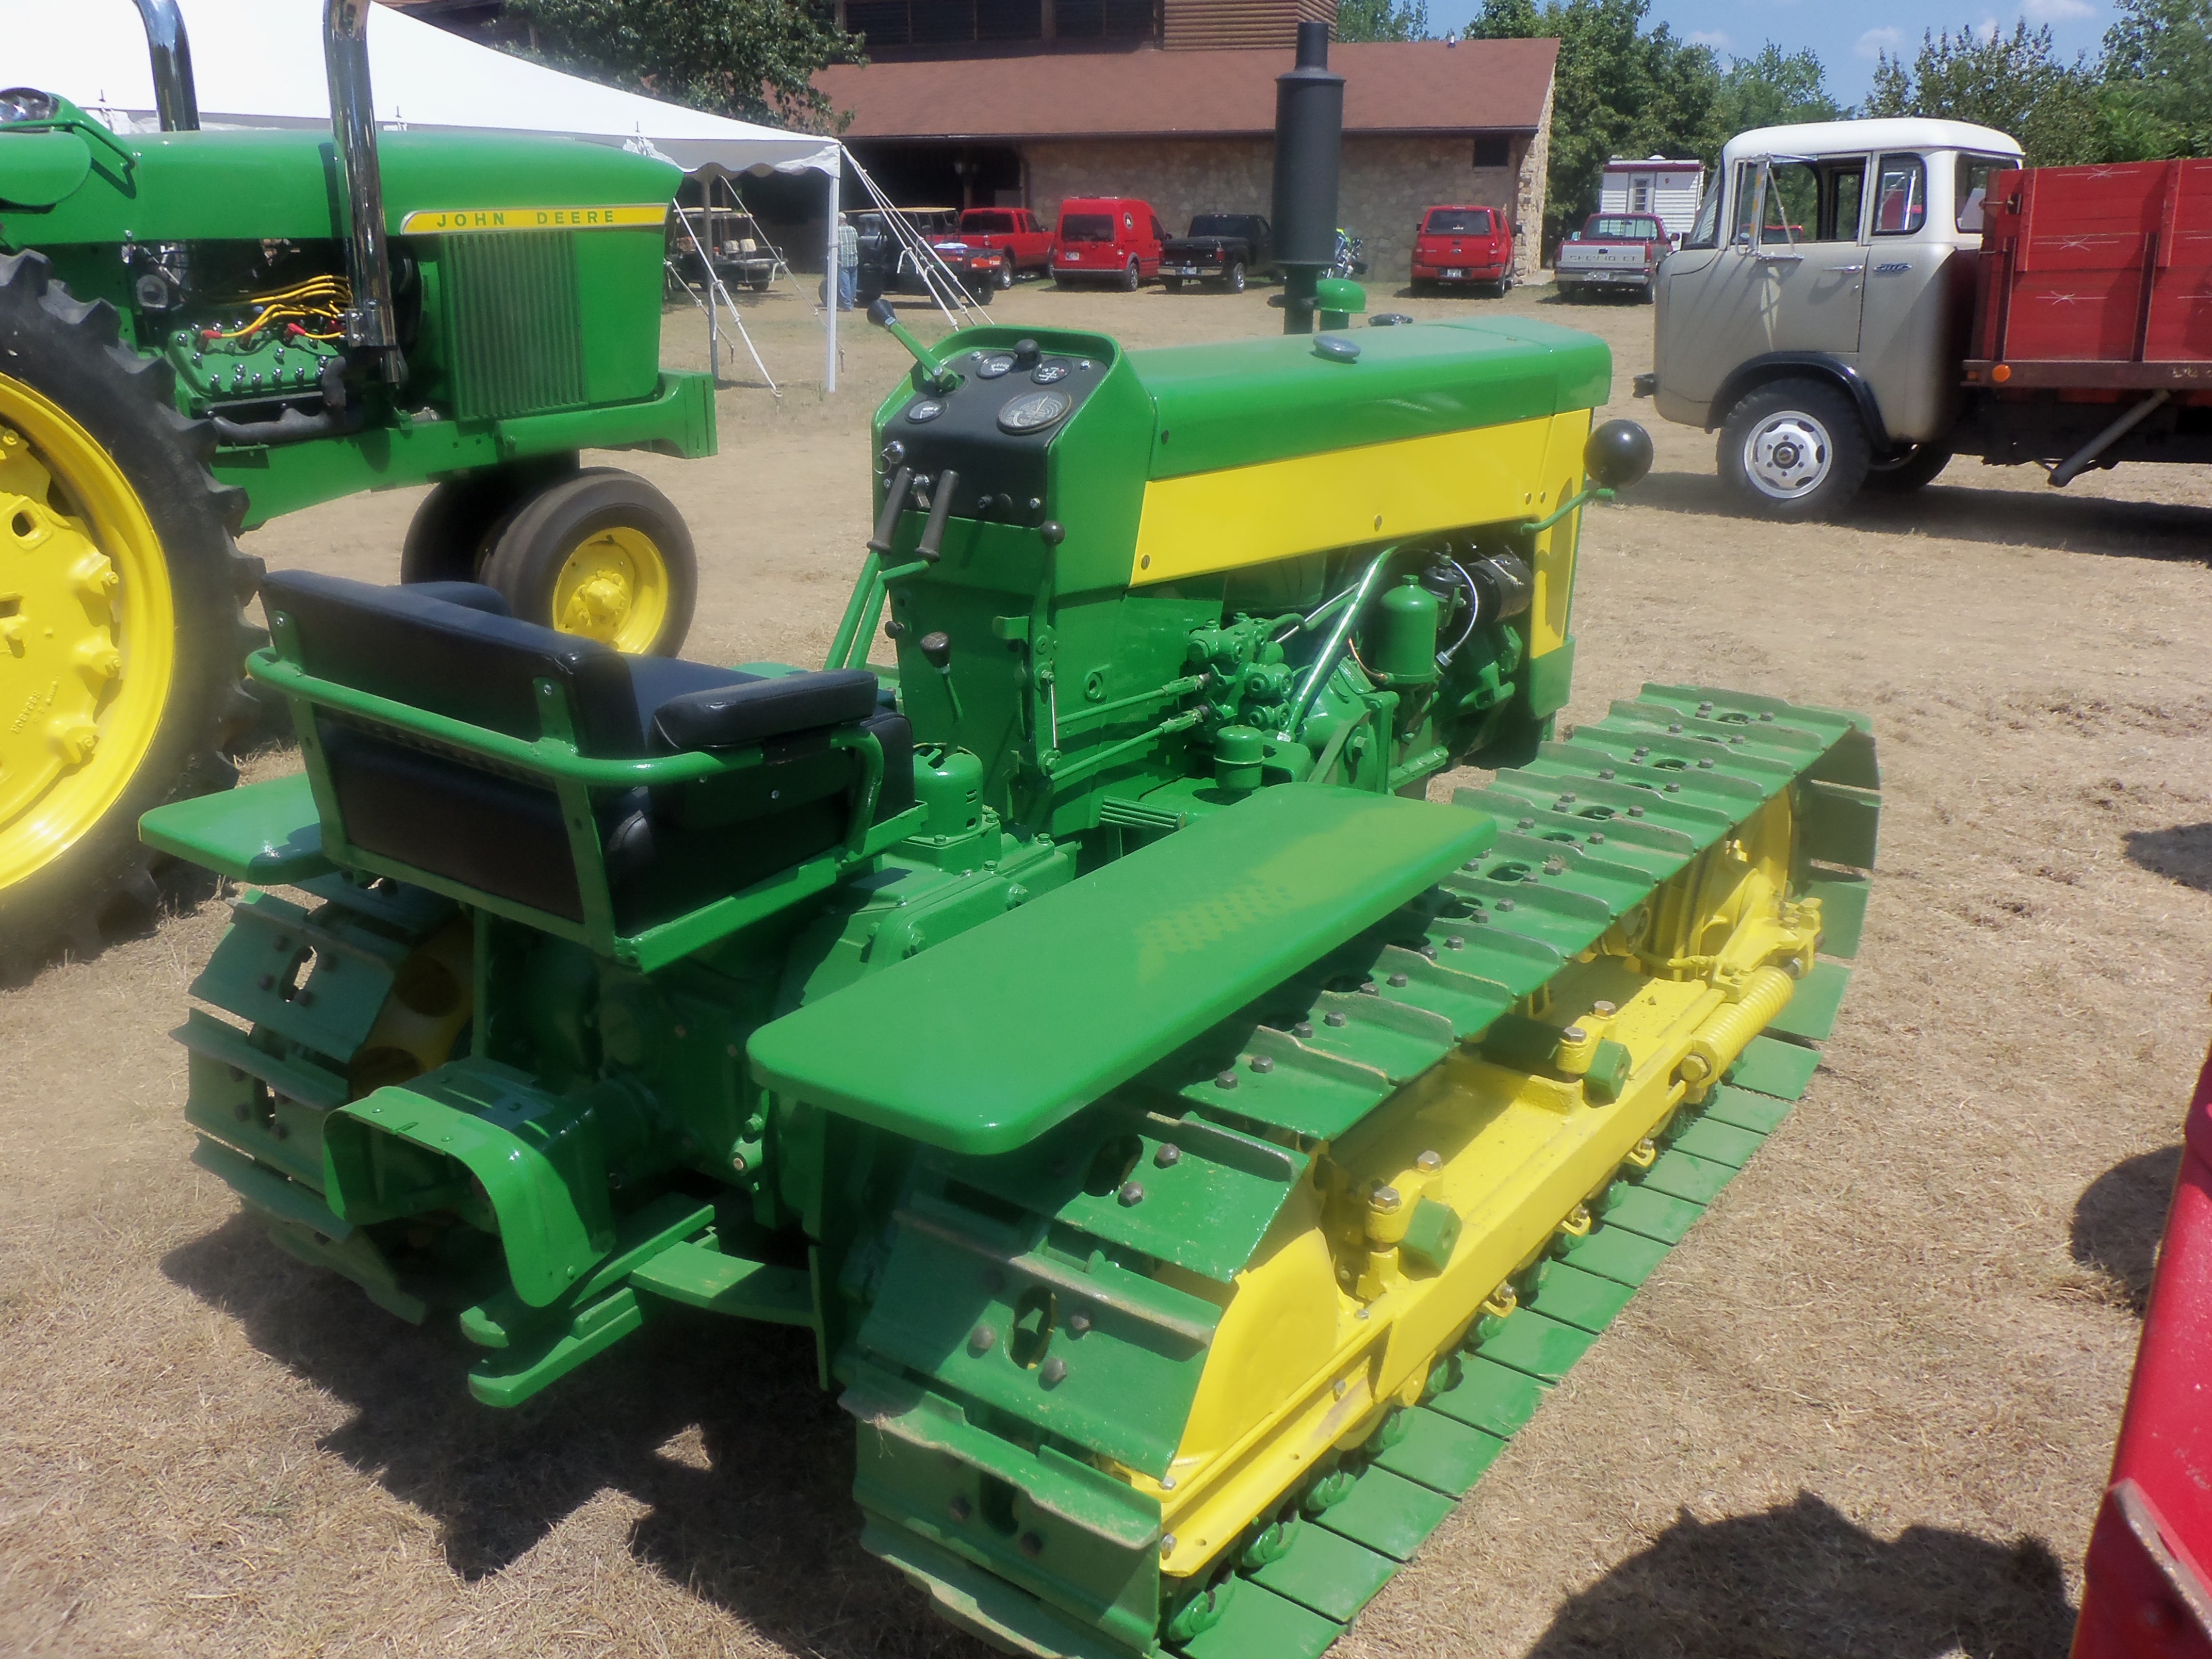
x=1656 y=1215
x=1492 y=1396
x=1258 y=1624
x=1811 y=1015
x=1544 y=1348
x=1575 y=1297
x=1707 y=1137
x=1327 y=1572
x=1740 y=1108
x=1389 y=1513
x=1614 y=1253
x=1774 y=1067
x=1440 y=1453
x=1680 y=1174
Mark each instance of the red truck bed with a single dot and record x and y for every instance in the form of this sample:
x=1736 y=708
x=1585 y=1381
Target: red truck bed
x=2096 y=276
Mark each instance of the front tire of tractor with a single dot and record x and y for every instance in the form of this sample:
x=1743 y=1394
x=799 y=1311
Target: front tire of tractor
x=121 y=632
x=1794 y=450
x=601 y=553
x=451 y=536
x=1915 y=469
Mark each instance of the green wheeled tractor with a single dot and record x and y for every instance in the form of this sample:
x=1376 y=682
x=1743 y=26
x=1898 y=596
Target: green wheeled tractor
x=200 y=331
x=1194 y=1149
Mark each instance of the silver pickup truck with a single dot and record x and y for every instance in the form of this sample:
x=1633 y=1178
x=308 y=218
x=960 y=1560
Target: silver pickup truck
x=1612 y=253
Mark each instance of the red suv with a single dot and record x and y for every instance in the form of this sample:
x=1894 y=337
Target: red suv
x=1462 y=246
x=1108 y=239
x=1014 y=232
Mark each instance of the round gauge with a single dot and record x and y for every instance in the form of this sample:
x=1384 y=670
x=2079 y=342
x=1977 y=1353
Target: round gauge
x=1033 y=411
x=992 y=364
x=924 y=408
x=1046 y=373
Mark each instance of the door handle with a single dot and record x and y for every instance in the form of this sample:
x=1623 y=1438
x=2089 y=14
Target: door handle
x=1848 y=271
x=1777 y=258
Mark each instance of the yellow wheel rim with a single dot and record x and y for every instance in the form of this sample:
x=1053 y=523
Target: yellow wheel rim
x=88 y=632
x=614 y=588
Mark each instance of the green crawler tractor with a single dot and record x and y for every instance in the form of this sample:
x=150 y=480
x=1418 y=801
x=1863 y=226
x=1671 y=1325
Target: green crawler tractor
x=200 y=331
x=1193 y=1149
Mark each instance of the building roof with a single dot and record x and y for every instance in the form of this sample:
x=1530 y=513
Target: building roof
x=1389 y=86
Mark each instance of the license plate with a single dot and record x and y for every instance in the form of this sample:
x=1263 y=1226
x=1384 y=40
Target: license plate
x=1183 y=270
x=1456 y=270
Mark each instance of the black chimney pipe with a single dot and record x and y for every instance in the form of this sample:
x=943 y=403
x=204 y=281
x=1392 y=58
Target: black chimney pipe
x=176 y=98
x=1308 y=143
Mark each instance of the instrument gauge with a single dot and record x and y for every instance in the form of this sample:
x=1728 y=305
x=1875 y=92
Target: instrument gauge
x=1047 y=373
x=1033 y=411
x=925 y=409
x=993 y=364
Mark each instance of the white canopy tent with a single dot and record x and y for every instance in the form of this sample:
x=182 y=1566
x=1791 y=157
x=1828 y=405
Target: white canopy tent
x=259 y=64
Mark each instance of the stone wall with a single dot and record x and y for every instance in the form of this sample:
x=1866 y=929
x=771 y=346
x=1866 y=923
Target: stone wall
x=1385 y=183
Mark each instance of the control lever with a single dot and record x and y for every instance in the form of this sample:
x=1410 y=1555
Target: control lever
x=940 y=504
x=937 y=652
x=1026 y=353
x=894 y=504
x=935 y=375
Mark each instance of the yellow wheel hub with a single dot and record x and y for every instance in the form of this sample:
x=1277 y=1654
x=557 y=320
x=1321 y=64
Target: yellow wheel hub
x=614 y=588
x=88 y=632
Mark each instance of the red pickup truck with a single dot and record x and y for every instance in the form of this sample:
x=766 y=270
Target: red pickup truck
x=1014 y=232
x=1612 y=253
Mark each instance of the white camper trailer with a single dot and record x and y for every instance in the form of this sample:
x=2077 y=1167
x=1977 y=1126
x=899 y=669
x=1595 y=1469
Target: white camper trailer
x=1654 y=184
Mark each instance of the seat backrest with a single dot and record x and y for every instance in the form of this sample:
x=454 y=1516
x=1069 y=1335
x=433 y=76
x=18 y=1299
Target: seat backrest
x=468 y=660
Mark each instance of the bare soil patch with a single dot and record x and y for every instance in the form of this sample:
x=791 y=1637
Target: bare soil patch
x=1866 y=1409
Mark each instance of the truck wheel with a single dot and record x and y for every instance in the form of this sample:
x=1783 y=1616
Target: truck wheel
x=1794 y=449
x=452 y=534
x=1902 y=475
x=1006 y=276
x=121 y=634
x=603 y=553
x=1234 y=282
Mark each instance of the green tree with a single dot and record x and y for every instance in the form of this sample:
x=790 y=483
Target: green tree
x=1772 y=88
x=2156 y=101
x=2014 y=82
x=755 y=59
x=1504 y=19
x=1382 y=19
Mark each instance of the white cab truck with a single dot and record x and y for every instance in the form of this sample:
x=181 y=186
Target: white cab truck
x=1815 y=314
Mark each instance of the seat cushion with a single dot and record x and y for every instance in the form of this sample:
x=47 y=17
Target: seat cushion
x=734 y=715
x=459 y=657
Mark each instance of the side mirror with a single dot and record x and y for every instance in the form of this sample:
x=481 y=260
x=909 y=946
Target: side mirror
x=1617 y=455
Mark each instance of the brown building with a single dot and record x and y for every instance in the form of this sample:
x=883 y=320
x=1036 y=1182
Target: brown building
x=971 y=123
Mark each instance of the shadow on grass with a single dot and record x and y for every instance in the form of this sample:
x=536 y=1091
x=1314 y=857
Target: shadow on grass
x=1955 y=509
x=764 y=1524
x=2118 y=1218
x=2182 y=853
x=1801 y=1581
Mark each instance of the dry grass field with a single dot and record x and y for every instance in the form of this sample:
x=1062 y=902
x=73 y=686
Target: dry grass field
x=1864 y=1410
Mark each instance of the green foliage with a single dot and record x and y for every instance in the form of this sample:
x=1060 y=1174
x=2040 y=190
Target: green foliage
x=1504 y=19
x=2156 y=101
x=2014 y=82
x=1772 y=88
x=754 y=59
x=1382 y=19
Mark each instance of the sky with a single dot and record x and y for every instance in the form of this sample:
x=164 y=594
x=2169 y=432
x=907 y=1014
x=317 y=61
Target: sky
x=1848 y=37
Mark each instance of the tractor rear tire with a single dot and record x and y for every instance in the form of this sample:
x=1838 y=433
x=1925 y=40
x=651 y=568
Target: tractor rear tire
x=451 y=536
x=122 y=633
x=603 y=553
x=1794 y=450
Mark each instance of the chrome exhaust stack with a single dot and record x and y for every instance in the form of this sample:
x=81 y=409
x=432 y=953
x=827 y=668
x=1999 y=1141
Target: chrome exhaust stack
x=176 y=97
x=370 y=323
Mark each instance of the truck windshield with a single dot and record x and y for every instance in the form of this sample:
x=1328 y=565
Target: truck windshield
x=1706 y=232
x=1086 y=227
x=1458 y=222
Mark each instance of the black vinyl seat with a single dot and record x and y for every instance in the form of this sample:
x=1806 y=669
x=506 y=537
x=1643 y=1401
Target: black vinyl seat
x=451 y=648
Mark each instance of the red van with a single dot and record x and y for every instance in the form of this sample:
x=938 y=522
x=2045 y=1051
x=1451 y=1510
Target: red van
x=1108 y=239
x=1460 y=246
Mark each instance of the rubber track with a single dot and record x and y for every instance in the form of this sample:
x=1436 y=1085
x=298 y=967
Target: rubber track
x=1588 y=832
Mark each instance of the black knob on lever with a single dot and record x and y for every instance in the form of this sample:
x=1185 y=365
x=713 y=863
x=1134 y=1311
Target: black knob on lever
x=894 y=504
x=937 y=650
x=1026 y=353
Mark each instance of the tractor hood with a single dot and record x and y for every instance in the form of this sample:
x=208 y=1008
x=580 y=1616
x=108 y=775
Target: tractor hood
x=71 y=181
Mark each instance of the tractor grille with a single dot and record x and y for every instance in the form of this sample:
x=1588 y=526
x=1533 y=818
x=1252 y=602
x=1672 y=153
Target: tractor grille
x=518 y=346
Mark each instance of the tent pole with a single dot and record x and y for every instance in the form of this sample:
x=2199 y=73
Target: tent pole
x=830 y=291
